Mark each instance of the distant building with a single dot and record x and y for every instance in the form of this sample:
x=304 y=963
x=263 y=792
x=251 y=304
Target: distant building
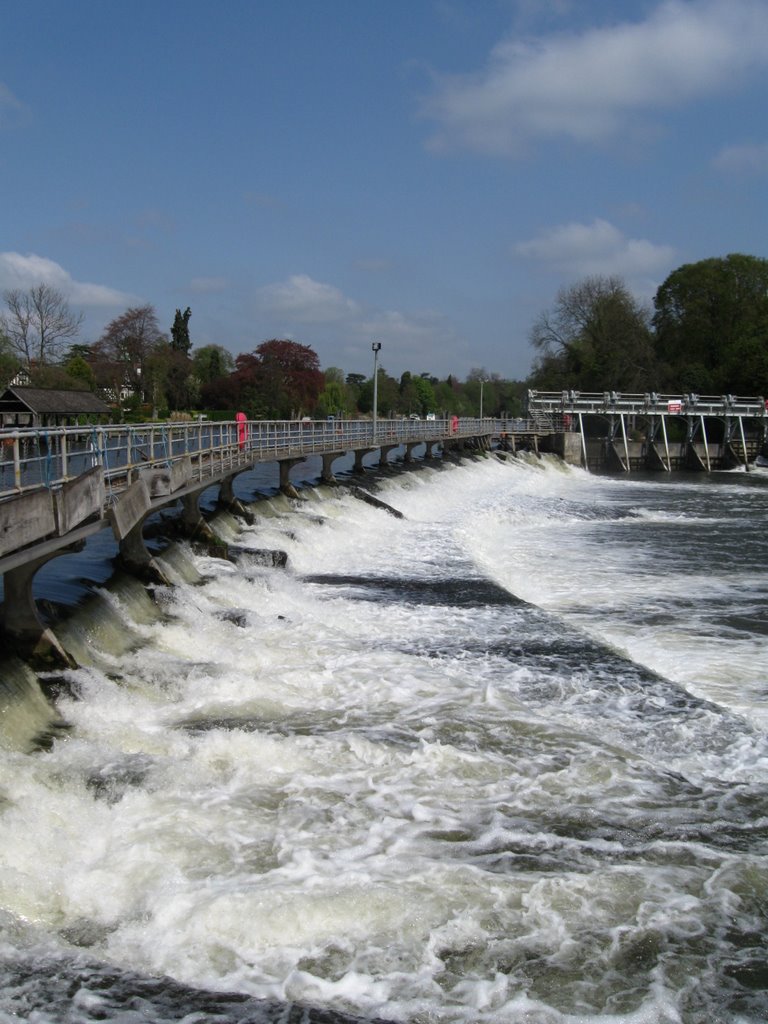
x=22 y=379
x=49 y=407
x=115 y=380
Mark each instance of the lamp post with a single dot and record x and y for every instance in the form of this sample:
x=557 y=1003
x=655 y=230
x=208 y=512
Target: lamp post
x=376 y=346
x=482 y=382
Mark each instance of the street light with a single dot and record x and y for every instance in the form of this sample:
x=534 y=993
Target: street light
x=376 y=346
x=482 y=381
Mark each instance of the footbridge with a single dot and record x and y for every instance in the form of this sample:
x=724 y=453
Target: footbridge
x=665 y=432
x=60 y=486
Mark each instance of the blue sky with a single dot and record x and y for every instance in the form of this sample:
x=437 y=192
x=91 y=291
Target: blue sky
x=423 y=173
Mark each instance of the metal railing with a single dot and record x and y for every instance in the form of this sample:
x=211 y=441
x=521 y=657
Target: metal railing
x=651 y=403
x=32 y=458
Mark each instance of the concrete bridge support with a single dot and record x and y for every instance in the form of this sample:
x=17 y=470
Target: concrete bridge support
x=408 y=456
x=326 y=473
x=230 y=502
x=360 y=454
x=192 y=522
x=128 y=516
x=384 y=453
x=20 y=619
x=136 y=558
x=286 y=465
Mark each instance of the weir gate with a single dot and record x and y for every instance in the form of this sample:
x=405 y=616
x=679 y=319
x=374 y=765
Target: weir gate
x=613 y=432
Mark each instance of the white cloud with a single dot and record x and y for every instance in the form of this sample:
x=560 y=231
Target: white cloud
x=746 y=159
x=304 y=300
x=596 y=249
x=18 y=271
x=585 y=86
x=403 y=332
x=320 y=312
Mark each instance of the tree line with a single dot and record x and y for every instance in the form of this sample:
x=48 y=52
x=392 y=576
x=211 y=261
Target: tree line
x=706 y=332
x=144 y=372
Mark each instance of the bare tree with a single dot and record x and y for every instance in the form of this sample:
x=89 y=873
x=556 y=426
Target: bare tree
x=128 y=342
x=37 y=323
x=596 y=337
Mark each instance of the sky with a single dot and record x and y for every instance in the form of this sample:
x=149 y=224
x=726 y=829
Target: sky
x=426 y=174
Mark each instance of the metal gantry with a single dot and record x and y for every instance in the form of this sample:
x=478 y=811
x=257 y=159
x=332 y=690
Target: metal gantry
x=623 y=413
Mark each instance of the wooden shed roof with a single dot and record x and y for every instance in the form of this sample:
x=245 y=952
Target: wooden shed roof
x=51 y=401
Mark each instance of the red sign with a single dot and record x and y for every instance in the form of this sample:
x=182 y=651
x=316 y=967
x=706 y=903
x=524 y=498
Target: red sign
x=674 y=406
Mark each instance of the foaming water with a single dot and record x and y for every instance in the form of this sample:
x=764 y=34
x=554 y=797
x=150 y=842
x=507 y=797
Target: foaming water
x=672 y=575
x=419 y=774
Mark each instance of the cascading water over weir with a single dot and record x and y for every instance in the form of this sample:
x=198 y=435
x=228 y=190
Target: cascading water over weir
x=420 y=770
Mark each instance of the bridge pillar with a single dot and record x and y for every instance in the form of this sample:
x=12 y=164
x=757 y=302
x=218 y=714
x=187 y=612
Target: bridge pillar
x=231 y=503
x=360 y=453
x=326 y=474
x=384 y=453
x=453 y=449
x=192 y=522
x=428 y=449
x=136 y=558
x=286 y=486
x=410 y=445
x=19 y=616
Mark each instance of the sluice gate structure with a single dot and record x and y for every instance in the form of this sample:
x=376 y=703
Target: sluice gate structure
x=614 y=432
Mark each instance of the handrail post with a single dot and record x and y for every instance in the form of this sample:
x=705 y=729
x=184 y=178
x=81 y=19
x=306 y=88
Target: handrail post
x=64 y=455
x=129 y=453
x=17 y=462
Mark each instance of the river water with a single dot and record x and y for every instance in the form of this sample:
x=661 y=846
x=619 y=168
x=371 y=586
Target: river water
x=503 y=759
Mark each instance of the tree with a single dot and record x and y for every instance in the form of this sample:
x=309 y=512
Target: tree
x=409 y=398
x=80 y=371
x=597 y=337
x=711 y=324
x=387 y=394
x=125 y=350
x=180 y=340
x=37 y=323
x=177 y=381
x=211 y=366
x=280 y=379
x=178 y=373
x=290 y=377
x=425 y=395
x=446 y=397
x=334 y=399
x=9 y=362
x=211 y=362
x=79 y=348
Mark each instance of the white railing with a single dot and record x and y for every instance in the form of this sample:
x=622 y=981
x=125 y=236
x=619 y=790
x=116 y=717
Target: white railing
x=32 y=458
x=650 y=403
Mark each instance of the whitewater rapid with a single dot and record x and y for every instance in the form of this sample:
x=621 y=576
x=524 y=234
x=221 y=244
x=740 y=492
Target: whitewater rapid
x=502 y=759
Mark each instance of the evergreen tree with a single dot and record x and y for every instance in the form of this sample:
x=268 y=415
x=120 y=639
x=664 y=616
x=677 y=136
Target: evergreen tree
x=180 y=341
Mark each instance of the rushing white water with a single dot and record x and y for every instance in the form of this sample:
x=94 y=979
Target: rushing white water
x=503 y=759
